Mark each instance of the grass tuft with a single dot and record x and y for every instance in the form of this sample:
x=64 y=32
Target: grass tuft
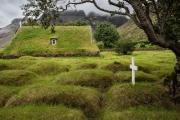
x=100 y=79
x=41 y=112
x=48 y=68
x=15 y=64
x=17 y=77
x=125 y=76
x=153 y=96
x=116 y=67
x=5 y=93
x=140 y=114
x=73 y=96
x=88 y=66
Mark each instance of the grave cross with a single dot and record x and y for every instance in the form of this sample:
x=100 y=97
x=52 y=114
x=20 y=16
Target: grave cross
x=133 y=67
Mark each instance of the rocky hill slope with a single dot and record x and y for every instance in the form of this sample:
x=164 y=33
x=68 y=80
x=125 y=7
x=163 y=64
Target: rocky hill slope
x=8 y=32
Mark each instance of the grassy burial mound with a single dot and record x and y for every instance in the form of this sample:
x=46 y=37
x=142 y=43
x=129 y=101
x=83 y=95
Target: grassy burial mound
x=87 y=88
x=67 y=41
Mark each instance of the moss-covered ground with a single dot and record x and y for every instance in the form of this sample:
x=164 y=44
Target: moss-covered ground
x=80 y=88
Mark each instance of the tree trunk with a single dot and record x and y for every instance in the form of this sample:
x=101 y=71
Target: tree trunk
x=160 y=40
x=174 y=91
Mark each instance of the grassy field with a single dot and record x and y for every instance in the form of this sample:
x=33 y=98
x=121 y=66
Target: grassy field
x=71 y=40
x=80 y=88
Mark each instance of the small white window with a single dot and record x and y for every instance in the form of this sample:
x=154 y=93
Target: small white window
x=53 y=41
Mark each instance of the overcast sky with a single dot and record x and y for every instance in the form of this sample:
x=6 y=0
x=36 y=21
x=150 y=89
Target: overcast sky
x=10 y=9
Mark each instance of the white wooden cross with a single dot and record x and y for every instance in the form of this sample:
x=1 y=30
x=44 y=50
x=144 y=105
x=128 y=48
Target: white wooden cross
x=133 y=67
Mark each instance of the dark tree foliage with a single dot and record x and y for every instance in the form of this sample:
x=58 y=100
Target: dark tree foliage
x=124 y=47
x=107 y=33
x=45 y=11
x=172 y=26
x=81 y=23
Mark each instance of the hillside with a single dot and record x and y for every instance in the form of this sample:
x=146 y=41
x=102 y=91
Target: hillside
x=130 y=31
x=91 y=18
x=71 y=41
x=7 y=33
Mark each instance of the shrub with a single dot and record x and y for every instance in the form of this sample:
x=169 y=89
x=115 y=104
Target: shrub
x=124 y=46
x=142 y=45
x=81 y=23
x=100 y=45
x=107 y=33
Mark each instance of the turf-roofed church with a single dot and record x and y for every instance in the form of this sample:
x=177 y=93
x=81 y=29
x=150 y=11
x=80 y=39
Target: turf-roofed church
x=66 y=41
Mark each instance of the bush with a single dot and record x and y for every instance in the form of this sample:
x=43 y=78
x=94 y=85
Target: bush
x=142 y=45
x=81 y=23
x=100 y=45
x=107 y=33
x=124 y=47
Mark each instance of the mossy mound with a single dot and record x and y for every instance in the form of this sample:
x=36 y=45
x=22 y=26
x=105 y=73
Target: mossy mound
x=15 y=64
x=88 y=66
x=48 y=68
x=72 y=96
x=122 y=97
x=5 y=93
x=17 y=77
x=116 y=67
x=41 y=112
x=126 y=76
x=141 y=114
x=101 y=79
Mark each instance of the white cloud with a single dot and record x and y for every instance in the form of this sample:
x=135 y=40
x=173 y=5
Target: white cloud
x=10 y=9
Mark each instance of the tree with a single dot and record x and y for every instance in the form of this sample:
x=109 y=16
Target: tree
x=45 y=11
x=81 y=23
x=124 y=47
x=159 y=33
x=107 y=33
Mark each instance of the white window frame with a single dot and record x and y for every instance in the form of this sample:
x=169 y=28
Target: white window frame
x=53 y=41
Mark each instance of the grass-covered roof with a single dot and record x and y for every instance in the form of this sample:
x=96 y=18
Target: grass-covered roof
x=71 y=41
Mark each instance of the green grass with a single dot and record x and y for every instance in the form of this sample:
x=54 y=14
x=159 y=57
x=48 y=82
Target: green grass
x=17 y=77
x=130 y=31
x=95 y=78
x=141 y=114
x=41 y=88
x=41 y=112
x=72 y=40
